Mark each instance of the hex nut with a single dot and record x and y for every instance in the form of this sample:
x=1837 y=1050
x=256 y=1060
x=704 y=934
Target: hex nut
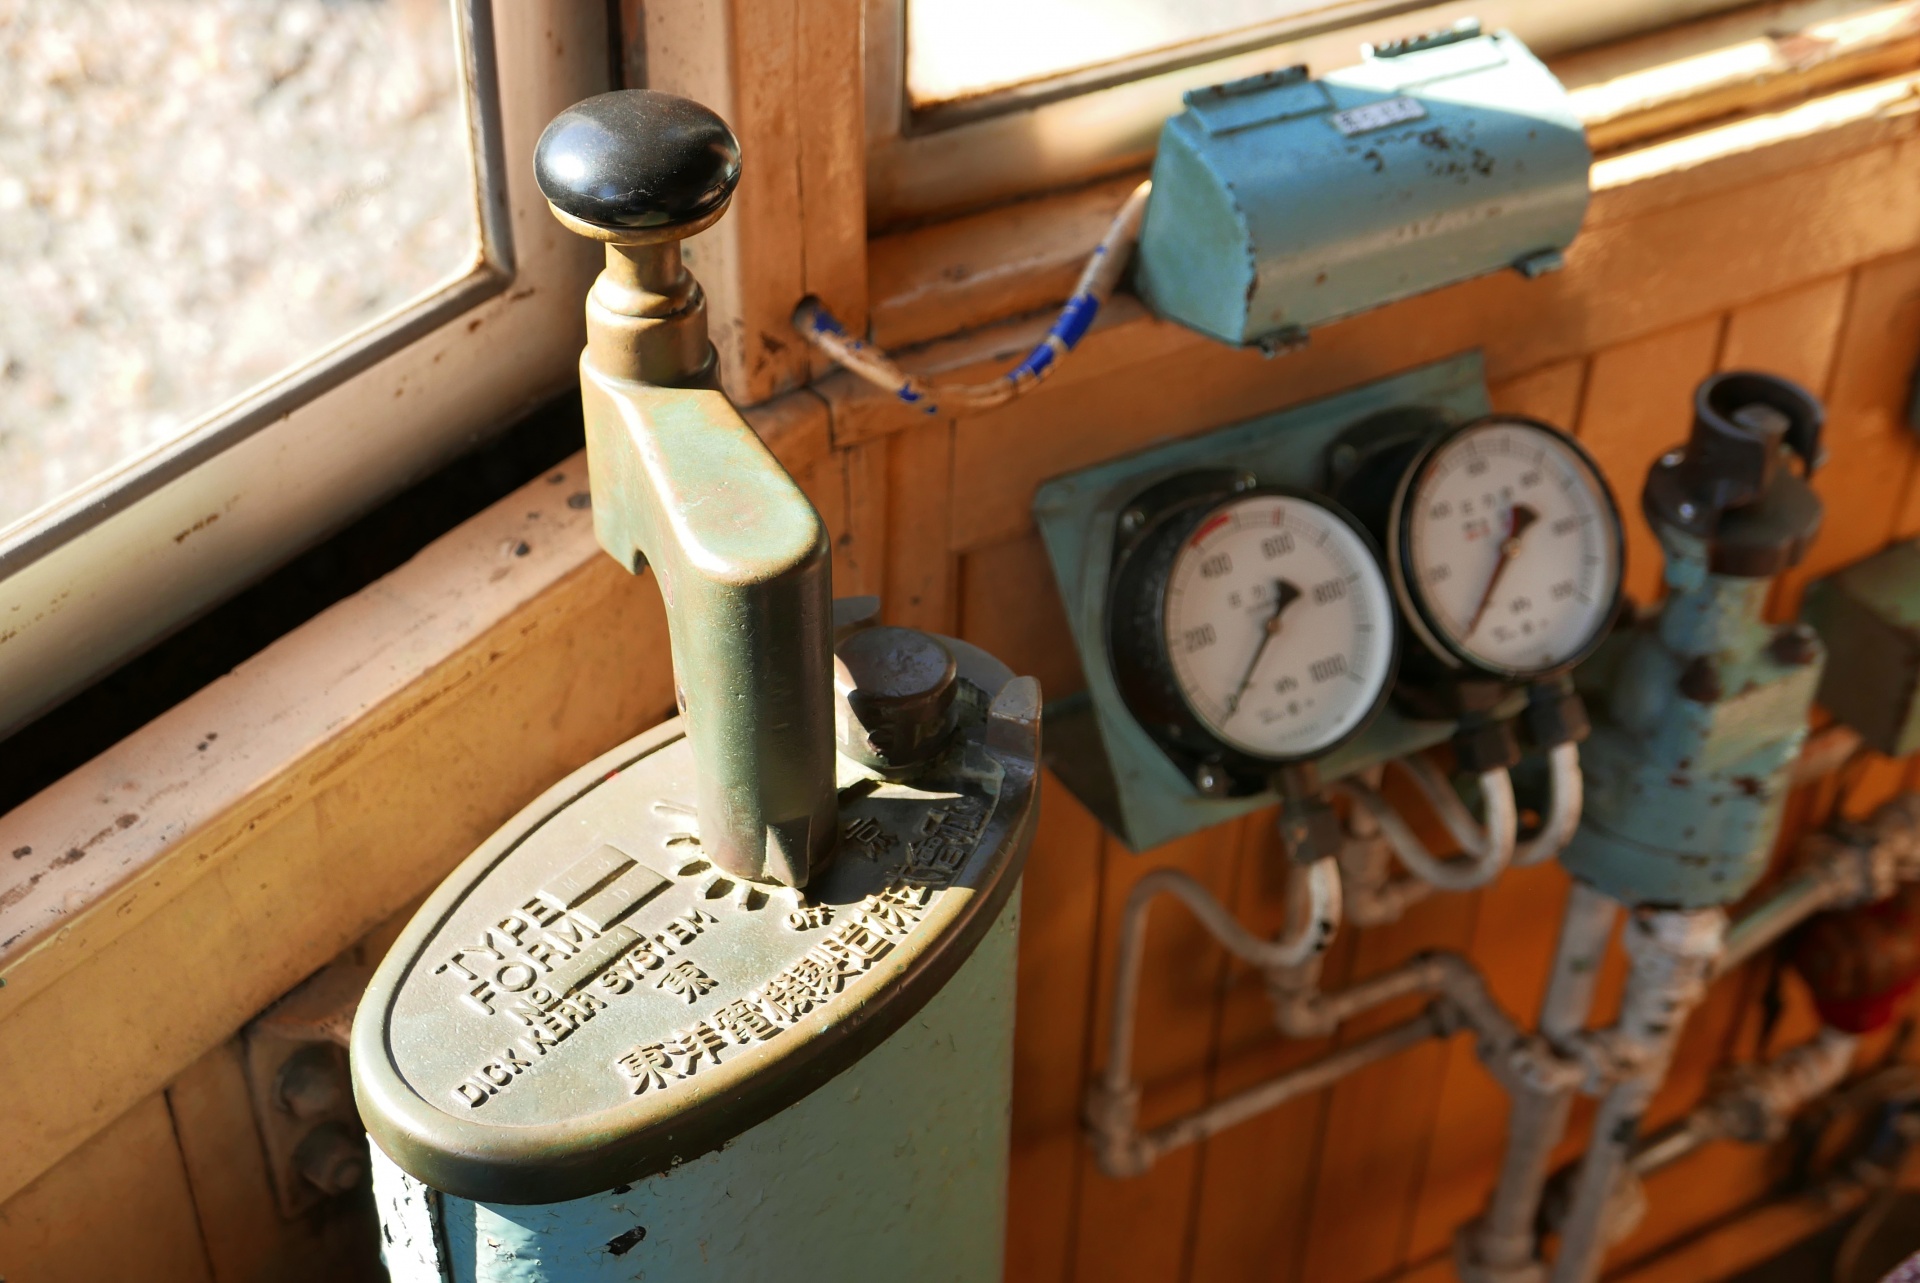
x=332 y=1159
x=313 y=1081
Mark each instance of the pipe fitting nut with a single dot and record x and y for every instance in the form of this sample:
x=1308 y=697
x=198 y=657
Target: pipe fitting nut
x=1112 y=1119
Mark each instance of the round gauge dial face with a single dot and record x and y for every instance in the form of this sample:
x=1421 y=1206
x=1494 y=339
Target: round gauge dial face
x=1279 y=626
x=1511 y=547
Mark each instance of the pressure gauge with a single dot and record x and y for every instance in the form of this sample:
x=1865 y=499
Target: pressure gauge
x=1506 y=548
x=1251 y=630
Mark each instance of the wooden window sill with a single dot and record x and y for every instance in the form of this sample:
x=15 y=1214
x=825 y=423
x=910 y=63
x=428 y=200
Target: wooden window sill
x=155 y=899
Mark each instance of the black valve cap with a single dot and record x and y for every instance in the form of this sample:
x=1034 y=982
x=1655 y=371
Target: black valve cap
x=637 y=159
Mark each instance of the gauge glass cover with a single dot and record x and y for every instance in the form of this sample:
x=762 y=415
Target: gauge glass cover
x=1510 y=548
x=1279 y=626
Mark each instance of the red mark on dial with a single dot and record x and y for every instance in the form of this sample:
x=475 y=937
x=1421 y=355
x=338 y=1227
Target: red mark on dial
x=1208 y=527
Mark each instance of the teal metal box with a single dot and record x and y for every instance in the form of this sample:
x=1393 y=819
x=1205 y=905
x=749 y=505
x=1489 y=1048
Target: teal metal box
x=1869 y=617
x=1280 y=203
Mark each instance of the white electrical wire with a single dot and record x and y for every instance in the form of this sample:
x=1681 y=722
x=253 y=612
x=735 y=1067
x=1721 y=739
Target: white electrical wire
x=1097 y=279
x=1487 y=850
x=1490 y=848
x=1493 y=844
x=1566 y=796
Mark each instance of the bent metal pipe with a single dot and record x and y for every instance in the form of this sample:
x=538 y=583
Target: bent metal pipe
x=1542 y=1071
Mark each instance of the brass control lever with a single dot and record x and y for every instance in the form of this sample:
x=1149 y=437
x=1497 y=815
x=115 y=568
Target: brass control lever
x=682 y=484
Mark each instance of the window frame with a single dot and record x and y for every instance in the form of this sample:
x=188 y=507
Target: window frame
x=95 y=577
x=1089 y=124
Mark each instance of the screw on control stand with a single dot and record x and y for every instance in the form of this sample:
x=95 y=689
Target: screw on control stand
x=893 y=698
x=682 y=485
x=313 y=1081
x=332 y=1158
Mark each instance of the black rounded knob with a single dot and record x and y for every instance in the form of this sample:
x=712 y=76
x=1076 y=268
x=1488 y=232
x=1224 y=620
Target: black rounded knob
x=637 y=159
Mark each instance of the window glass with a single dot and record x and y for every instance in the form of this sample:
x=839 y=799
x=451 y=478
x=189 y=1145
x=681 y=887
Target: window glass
x=959 y=48
x=197 y=196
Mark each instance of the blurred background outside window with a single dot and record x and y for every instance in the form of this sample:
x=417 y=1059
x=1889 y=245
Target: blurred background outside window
x=200 y=196
x=959 y=48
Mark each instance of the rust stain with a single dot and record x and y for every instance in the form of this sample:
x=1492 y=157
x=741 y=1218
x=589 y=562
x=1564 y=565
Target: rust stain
x=16 y=895
x=197 y=527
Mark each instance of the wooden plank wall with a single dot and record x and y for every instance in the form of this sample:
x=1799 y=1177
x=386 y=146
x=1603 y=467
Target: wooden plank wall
x=1804 y=260
x=1369 y=1180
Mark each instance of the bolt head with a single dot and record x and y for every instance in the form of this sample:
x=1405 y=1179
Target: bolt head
x=1796 y=645
x=893 y=696
x=312 y=1082
x=1700 y=680
x=1131 y=520
x=333 y=1159
x=1686 y=511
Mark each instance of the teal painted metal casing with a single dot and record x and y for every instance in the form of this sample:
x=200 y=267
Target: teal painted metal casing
x=1705 y=706
x=1684 y=794
x=1281 y=203
x=1869 y=617
x=895 y=1169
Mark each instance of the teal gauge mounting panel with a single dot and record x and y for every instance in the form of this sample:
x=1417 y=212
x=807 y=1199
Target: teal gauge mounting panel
x=1093 y=743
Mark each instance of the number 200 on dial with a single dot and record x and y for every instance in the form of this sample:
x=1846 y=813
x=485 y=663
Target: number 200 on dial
x=1279 y=626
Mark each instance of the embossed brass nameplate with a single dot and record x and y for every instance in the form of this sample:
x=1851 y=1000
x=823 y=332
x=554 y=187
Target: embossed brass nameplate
x=639 y=966
x=589 y=989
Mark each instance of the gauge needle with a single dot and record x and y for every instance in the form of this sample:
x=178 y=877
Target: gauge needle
x=1519 y=517
x=1284 y=595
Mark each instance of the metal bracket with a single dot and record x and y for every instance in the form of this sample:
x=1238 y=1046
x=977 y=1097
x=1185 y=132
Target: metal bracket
x=296 y=1065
